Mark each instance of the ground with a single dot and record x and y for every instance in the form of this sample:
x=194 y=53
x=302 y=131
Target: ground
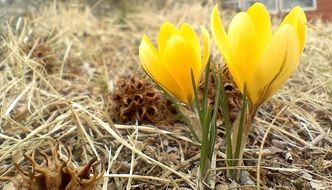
x=60 y=66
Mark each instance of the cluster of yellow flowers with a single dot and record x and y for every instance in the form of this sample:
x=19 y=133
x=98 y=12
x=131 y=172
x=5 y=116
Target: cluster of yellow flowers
x=255 y=57
x=260 y=62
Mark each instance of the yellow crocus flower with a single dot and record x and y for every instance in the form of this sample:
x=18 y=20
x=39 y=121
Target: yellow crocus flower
x=253 y=55
x=178 y=53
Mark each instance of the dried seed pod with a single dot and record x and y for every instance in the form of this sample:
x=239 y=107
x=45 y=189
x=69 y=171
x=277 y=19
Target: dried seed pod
x=41 y=52
x=56 y=173
x=136 y=99
x=234 y=96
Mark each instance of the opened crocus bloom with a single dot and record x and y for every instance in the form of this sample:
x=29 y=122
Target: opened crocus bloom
x=178 y=54
x=253 y=55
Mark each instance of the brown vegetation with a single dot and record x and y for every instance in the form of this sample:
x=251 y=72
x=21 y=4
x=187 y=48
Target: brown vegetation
x=289 y=147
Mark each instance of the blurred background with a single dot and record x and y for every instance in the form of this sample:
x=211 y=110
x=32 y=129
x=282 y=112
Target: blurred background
x=314 y=8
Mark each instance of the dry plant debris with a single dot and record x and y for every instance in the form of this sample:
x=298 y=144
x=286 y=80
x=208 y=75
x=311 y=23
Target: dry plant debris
x=55 y=172
x=289 y=147
x=40 y=52
x=136 y=99
x=234 y=96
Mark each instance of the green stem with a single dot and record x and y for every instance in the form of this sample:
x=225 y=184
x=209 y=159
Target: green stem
x=241 y=130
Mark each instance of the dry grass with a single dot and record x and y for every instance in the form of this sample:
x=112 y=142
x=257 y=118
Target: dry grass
x=66 y=100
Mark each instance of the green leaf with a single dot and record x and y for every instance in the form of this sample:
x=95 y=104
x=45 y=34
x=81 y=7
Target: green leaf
x=228 y=124
x=196 y=102
x=205 y=149
x=206 y=87
x=241 y=126
x=213 y=126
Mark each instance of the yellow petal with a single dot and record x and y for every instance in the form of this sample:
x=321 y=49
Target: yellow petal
x=167 y=29
x=261 y=19
x=276 y=65
x=219 y=35
x=179 y=59
x=187 y=32
x=207 y=47
x=242 y=39
x=298 y=19
x=152 y=64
